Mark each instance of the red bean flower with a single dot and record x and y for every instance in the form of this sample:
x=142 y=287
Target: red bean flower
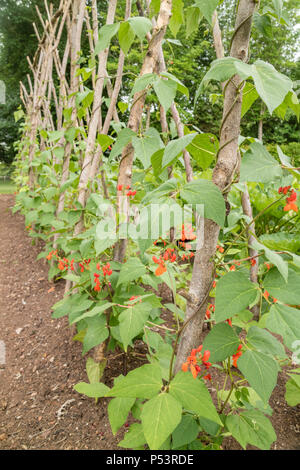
x=266 y=294
x=51 y=254
x=192 y=362
x=290 y=202
x=161 y=269
x=237 y=355
x=210 y=308
x=169 y=255
x=106 y=270
x=284 y=190
x=61 y=266
x=81 y=267
x=135 y=297
x=207 y=377
x=97 y=287
x=205 y=356
x=187 y=232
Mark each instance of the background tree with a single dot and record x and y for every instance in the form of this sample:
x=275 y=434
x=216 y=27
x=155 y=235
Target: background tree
x=196 y=52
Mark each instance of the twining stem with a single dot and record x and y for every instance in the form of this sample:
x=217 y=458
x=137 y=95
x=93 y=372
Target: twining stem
x=278 y=227
x=231 y=387
x=183 y=327
x=223 y=176
x=205 y=297
x=249 y=225
x=160 y=326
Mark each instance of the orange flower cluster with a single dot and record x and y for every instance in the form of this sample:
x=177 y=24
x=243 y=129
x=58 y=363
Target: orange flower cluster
x=160 y=240
x=169 y=255
x=220 y=248
x=210 y=308
x=66 y=264
x=189 y=256
x=134 y=297
x=161 y=266
x=187 y=232
x=284 y=190
x=266 y=295
x=237 y=355
x=120 y=187
x=234 y=262
x=238 y=263
x=130 y=193
x=290 y=202
x=84 y=265
x=51 y=254
x=192 y=362
x=97 y=287
x=107 y=271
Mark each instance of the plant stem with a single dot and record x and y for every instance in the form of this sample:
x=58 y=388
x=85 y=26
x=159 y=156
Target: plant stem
x=231 y=387
x=249 y=224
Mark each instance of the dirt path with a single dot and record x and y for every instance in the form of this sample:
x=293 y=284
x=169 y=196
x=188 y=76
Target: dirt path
x=38 y=407
x=41 y=364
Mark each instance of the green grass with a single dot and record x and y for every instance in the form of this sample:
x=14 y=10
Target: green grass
x=6 y=187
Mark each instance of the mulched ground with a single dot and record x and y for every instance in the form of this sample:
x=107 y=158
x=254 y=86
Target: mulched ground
x=38 y=407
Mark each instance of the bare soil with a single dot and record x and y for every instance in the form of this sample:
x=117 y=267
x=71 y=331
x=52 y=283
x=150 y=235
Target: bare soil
x=38 y=407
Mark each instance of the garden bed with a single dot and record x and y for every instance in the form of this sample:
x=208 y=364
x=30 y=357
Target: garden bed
x=38 y=407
